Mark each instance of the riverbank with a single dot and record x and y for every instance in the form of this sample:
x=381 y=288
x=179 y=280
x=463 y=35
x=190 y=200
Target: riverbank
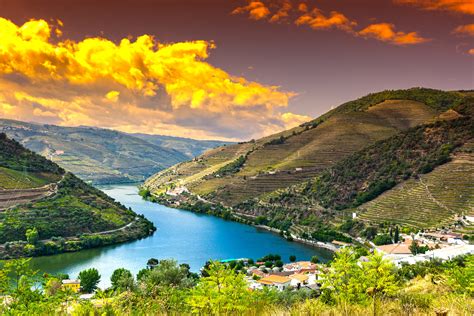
x=137 y=229
x=185 y=236
x=202 y=206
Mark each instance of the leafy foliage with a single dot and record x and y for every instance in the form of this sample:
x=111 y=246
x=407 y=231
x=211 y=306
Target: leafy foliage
x=89 y=279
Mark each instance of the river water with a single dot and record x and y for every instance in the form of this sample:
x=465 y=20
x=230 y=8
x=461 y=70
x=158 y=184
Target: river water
x=182 y=235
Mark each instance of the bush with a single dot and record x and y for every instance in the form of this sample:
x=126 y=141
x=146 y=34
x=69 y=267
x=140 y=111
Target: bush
x=384 y=239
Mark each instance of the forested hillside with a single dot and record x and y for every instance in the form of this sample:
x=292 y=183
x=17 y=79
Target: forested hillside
x=45 y=210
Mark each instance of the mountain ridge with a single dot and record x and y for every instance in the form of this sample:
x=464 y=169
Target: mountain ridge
x=102 y=155
x=234 y=176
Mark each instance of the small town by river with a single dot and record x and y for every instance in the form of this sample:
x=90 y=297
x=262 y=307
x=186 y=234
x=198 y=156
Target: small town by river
x=182 y=235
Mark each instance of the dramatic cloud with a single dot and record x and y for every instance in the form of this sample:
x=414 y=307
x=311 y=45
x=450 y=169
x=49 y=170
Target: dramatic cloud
x=386 y=32
x=459 y=6
x=136 y=85
x=318 y=21
x=257 y=10
x=466 y=30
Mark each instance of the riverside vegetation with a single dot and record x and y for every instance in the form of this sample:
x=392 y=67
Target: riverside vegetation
x=348 y=287
x=69 y=216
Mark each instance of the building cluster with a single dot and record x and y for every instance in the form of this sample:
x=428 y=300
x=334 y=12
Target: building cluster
x=296 y=275
x=441 y=246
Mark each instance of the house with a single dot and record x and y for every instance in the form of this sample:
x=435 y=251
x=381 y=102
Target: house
x=300 y=266
x=299 y=279
x=73 y=285
x=277 y=281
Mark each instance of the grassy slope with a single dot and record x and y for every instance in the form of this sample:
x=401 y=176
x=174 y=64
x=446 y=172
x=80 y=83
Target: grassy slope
x=101 y=155
x=404 y=158
x=75 y=209
x=313 y=146
x=430 y=200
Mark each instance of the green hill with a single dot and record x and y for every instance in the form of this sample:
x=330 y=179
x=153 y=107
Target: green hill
x=338 y=161
x=104 y=156
x=67 y=214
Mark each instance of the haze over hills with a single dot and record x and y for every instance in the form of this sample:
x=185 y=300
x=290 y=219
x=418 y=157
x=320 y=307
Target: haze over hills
x=60 y=211
x=253 y=178
x=102 y=155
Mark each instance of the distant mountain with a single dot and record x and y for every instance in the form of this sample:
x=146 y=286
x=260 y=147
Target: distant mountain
x=59 y=211
x=102 y=155
x=190 y=147
x=337 y=162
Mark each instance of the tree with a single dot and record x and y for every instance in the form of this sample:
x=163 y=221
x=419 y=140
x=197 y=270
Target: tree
x=279 y=263
x=292 y=258
x=32 y=236
x=122 y=280
x=141 y=275
x=168 y=274
x=379 y=278
x=396 y=237
x=89 y=279
x=382 y=240
x=314 y=259
x=151 y=263
x=223 y=292
x=342 y=282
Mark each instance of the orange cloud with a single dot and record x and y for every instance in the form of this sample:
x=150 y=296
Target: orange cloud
x=467 y=30
x=386 y=32
x=318 y=21
x=458 y=6
x=257 y=10
x=471 y=51
x=141 y=84
x=303 y=7
x=282 y=13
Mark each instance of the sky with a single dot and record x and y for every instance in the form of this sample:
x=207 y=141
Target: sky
x=221 y=69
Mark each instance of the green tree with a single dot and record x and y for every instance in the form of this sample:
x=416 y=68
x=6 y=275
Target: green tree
x=122 y=280
x=168 y=274
x=379 y=278
x=292 y=258
x=90 y=278
x=32 y=236
x=279 y=263
x=396 y=237
x=314 y=259
x=151 y=263
x=382 y=240
x=224 y=292
x=342 y=282
x=461 y=278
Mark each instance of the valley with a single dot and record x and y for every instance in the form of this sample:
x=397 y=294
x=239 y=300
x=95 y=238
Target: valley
x=105 y=156
x=369 y=156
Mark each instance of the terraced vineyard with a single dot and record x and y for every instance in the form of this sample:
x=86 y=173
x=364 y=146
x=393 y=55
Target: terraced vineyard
x=36 y=194
x=359 y=149
x=432 y=200
x=302 y=154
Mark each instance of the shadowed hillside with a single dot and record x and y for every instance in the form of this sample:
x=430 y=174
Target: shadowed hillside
x=65 y=214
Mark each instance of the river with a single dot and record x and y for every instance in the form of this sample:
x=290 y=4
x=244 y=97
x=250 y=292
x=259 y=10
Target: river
x=182 y=235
